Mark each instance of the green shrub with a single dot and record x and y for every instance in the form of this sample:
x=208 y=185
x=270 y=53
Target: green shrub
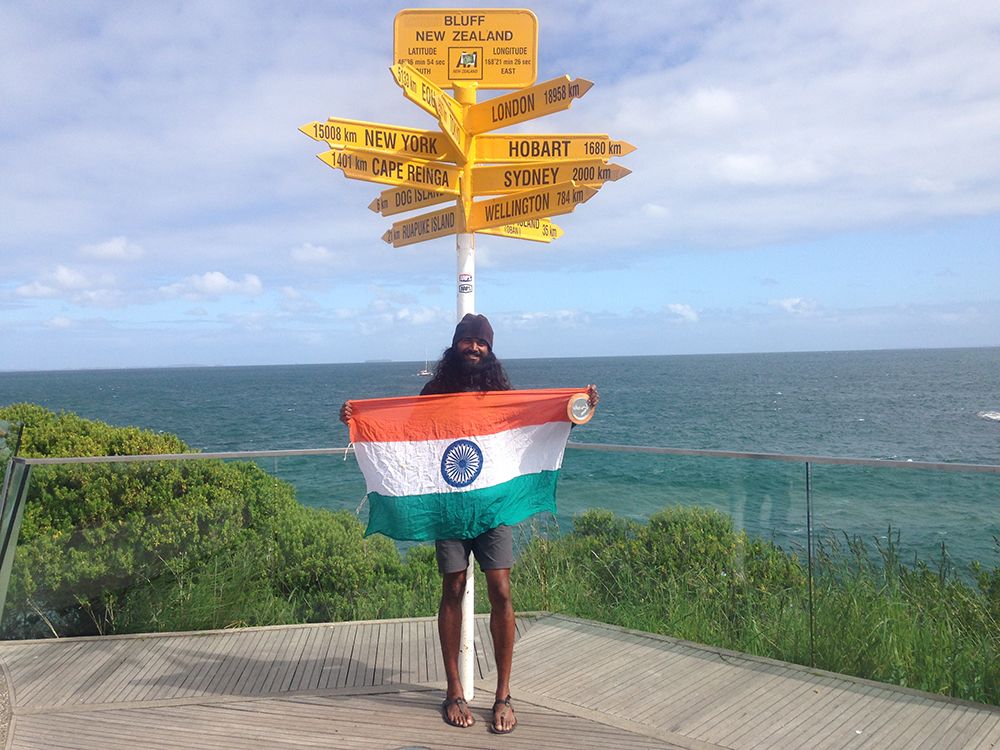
x=92 y=534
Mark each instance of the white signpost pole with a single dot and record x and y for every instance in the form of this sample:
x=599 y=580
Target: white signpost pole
x=465 y=246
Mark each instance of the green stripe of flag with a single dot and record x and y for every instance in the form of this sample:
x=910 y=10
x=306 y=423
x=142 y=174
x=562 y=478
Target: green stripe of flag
x=462 y=515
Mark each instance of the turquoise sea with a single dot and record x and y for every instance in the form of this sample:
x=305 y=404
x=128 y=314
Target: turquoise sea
x=910 y=405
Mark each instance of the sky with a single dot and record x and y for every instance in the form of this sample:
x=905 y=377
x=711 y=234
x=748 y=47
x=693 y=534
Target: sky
x=808 y=176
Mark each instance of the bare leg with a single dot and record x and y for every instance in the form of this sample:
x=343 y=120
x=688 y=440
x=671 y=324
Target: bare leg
x=450 y=632
x=502 y=628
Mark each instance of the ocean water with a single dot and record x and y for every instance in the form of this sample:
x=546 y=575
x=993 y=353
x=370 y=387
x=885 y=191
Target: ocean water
x=920 y=405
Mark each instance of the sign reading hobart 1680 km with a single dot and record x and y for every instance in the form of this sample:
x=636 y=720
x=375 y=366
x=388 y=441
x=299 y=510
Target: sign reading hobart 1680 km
x=495 y=48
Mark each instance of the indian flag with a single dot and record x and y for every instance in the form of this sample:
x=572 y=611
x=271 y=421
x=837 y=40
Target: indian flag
x=453 y=466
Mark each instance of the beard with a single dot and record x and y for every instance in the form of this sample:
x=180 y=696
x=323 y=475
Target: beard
x=473 y=367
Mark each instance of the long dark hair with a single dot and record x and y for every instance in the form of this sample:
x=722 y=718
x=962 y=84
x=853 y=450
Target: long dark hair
x=452 y=374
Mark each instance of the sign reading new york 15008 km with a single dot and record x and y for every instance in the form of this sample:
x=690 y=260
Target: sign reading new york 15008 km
x=495 y=48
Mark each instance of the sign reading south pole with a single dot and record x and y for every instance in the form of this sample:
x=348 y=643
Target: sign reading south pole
x=495 y=48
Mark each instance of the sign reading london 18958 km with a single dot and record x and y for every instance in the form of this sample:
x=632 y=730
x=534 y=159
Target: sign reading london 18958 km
x=495 y=48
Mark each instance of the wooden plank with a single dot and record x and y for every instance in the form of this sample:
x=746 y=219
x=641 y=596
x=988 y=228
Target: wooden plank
x=780 y=702
x=966 y=727
x=64 y=673
x=836 y=726
x=142 y=659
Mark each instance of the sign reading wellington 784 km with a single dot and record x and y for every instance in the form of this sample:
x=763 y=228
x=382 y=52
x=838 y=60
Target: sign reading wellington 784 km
x=502 y=185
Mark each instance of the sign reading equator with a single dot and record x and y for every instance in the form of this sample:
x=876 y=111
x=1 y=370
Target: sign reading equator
x=495 y=48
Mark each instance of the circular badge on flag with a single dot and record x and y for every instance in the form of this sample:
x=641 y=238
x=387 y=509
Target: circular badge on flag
x=461 y=463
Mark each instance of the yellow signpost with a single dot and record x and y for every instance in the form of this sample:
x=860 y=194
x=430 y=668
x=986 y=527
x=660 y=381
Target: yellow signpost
x=537 y=230
x=402 y=199
x=525 y=104
x=516 y=148
x=394 y=170
x=495 y=48
x=390 y=139
x=508 y=178
x=441 y=223
x=505 y=185
x=429 y=97
x=528 y=204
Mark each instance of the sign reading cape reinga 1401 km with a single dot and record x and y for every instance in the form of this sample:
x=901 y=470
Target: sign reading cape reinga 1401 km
x=502 y=185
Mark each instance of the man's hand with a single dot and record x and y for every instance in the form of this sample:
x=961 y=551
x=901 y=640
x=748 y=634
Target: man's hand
x=592 y=395
x=345 y=412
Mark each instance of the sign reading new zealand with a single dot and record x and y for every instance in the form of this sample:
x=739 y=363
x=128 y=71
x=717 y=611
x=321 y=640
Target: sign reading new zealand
x=496 y=48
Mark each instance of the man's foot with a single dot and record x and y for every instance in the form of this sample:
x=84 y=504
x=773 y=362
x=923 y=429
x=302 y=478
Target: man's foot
x=455 y=711
x=504 y=720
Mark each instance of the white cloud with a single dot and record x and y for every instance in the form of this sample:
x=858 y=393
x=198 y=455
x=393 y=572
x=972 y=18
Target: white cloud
x=74 y=286
x=118 y=248
x=36 y=289
x=310 y=254
x=60 y=322
x=796 y=305
x=682 y=312
x=212 y=285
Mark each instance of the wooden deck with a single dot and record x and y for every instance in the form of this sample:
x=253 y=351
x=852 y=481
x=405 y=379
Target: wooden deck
x=378 y=685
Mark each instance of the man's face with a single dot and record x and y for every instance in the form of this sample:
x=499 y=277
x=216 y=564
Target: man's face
x=472 y=351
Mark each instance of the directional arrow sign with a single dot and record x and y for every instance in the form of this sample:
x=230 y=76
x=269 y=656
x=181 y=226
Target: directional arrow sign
x=517 y=148
x=537 y=230
x=429 y=97
x=525 y=104
x=390 y=139
x=402 y=199
x=394 y=170
x=528 y=204
x=508 y=178
x=426 y=227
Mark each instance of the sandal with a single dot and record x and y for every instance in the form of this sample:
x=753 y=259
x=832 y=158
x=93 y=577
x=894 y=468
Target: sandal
x=463 y=707
x=506 y=709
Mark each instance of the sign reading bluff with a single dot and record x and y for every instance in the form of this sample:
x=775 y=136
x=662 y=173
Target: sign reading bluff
x=393 y=170
x=497 y=48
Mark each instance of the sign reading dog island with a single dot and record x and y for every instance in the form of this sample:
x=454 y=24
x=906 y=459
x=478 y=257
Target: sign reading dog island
x=495 y=48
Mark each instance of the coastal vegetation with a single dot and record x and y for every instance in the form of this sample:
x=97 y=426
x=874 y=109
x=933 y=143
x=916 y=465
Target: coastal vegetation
x=164 y=546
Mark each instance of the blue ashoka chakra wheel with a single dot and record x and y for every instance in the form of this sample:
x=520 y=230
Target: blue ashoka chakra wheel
x=461 y=463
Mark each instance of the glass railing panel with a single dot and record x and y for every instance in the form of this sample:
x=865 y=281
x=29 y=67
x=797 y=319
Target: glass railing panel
x=155 y=546
x=907 y=576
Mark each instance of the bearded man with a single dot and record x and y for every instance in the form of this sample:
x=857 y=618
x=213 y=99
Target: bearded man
x=470 y=365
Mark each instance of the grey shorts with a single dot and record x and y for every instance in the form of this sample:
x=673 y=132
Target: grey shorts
x=494 y=549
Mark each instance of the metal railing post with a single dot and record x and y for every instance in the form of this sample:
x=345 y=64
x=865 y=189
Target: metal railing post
x=15 y=492
x=809 y=555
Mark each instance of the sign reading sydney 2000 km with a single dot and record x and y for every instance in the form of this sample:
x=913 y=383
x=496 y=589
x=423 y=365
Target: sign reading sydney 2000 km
x=505 y=185
x=495 y=48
